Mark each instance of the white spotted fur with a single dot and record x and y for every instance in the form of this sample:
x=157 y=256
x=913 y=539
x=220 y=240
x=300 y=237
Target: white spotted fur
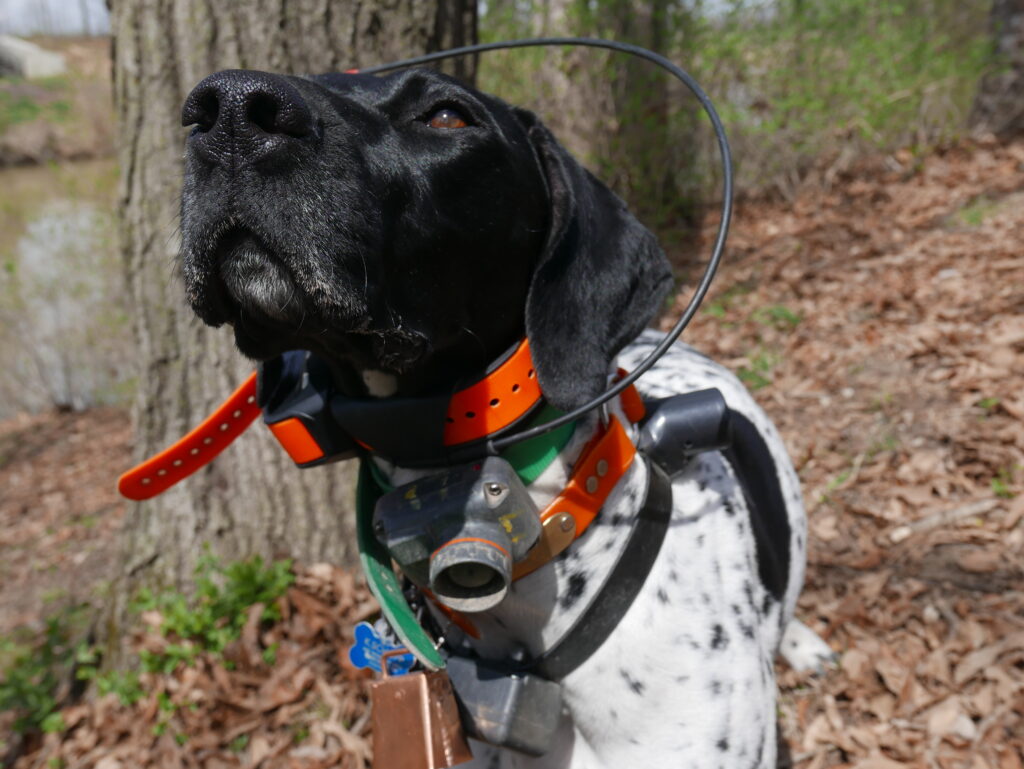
x=687 y=678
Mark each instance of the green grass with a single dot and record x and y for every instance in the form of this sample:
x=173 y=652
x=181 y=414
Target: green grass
x=976 y=212
x=778 y=316
x=1002 y=483
x=989 y=405
x=723 y=302
x=16 y=107
x=758 y=373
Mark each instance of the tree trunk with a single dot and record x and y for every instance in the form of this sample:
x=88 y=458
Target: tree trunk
x=651 y=148
x=999 y=106
x=251 y=499
x=622 y=116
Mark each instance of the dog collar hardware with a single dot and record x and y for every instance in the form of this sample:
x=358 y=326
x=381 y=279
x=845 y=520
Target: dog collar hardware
x=316 y=426
x=430 y=430
x=601 y=465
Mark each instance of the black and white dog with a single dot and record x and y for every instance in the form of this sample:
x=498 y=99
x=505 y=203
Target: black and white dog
x=408 y=229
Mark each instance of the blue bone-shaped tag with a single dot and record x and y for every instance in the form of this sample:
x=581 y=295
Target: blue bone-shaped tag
x=368 y=648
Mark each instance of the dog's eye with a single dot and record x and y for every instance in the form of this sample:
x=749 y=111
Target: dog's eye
x=446 y=117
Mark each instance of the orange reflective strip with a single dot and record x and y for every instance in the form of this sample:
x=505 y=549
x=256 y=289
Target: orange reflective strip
x=632 y=403
x=206 y=441
x=495 y=402
x=300 y=445
x=600 y=467
x=471 y=539
x=588 y=488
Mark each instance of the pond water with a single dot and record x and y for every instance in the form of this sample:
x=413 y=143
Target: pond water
x=64 y=335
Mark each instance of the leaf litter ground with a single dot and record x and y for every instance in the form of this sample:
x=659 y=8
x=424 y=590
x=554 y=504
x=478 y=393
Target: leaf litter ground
x=881 y=324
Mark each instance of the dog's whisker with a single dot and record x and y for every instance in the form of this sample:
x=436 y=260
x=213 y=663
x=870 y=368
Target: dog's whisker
x=479 y=341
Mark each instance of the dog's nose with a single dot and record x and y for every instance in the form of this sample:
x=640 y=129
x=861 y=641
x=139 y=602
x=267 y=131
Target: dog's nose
x=243 y=116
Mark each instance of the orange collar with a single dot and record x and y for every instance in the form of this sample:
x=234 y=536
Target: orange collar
x=507 y=394
x=497 y=401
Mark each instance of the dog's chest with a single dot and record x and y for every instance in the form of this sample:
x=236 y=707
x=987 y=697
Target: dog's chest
x=685 y=677
x=709 y=542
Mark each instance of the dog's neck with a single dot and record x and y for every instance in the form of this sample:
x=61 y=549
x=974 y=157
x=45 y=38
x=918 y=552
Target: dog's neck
x=379 y=384
x=361 y=369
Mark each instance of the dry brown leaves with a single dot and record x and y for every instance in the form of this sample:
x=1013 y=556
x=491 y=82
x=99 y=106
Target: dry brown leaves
x=308 y=710
x=59 y=509
x=900 y=393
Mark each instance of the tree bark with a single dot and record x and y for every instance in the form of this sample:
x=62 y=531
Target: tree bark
x=999 y=106
x=251 y=499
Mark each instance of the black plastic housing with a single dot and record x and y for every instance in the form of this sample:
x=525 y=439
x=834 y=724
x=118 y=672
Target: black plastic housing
x=681 y=426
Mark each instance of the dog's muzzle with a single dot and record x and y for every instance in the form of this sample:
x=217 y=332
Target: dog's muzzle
x=459 y=532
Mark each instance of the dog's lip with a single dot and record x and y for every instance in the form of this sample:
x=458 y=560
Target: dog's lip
x=233 y=240
x=252 y=278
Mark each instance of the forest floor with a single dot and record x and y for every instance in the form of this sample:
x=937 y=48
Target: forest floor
x=880 y=322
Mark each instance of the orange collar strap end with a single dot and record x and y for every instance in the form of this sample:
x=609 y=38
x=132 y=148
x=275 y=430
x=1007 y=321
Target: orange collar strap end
x=196 y=449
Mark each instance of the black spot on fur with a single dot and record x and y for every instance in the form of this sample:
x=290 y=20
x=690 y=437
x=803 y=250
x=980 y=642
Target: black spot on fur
x=662 y=595
x=730 y=509
x=722 y=745
x=719 y=638
x=637 y=687
x=673 y=576
x=716 y=687
x=577 y=586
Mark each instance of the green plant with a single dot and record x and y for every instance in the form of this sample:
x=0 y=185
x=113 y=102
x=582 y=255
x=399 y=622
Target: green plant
x=976 y=212
x=1002 y=482
x=989 y=405
x=18 y=107
x=757 y=374
x=778 y=316
x=216 y=614
x=125 y=684
x=723 y=302
x=31 y=670
x=239 y=743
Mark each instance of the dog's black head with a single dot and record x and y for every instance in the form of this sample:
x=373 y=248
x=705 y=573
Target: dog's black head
x=406 y=224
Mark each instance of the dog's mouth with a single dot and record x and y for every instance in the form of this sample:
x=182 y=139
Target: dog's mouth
x=242 y=279
x=254 y=280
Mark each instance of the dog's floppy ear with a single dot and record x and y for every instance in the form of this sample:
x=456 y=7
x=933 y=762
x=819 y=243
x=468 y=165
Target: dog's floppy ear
x=600 y=279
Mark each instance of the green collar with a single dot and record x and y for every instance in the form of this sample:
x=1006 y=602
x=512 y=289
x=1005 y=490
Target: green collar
x=529 y=458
